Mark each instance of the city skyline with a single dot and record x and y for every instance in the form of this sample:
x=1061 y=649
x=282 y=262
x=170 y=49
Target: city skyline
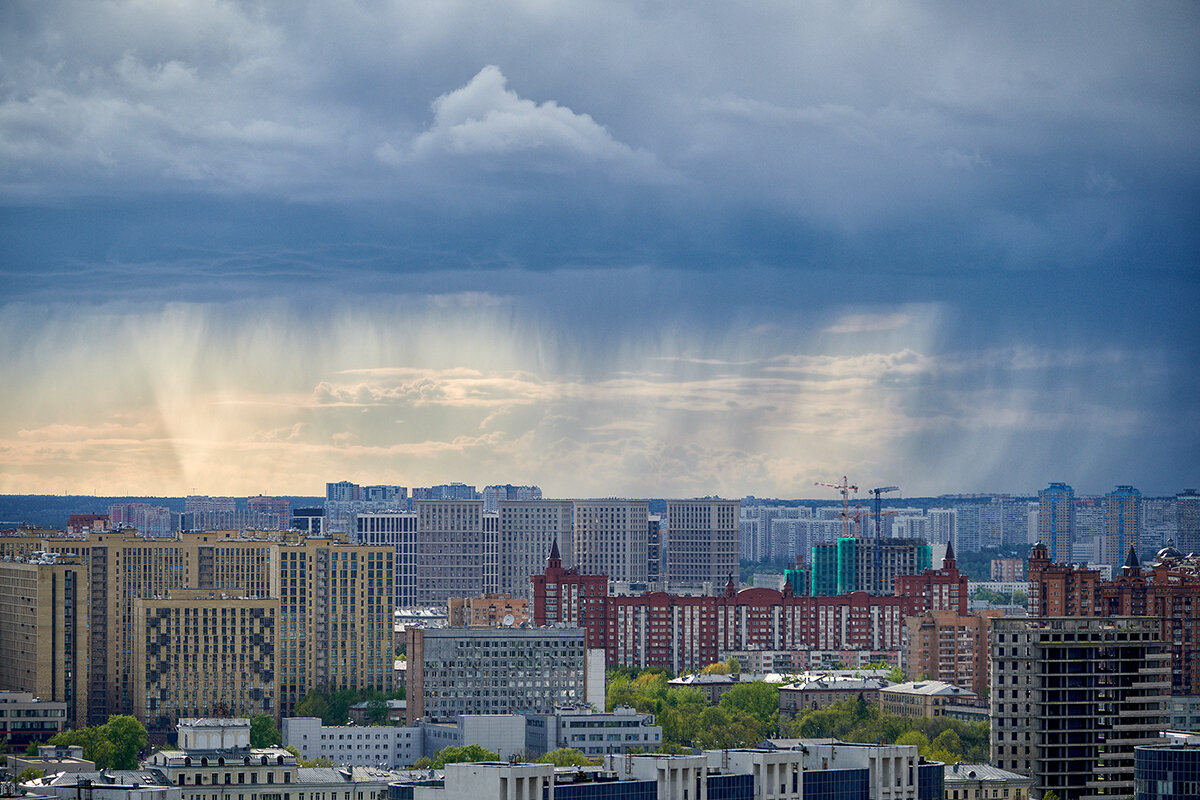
x=598 y=248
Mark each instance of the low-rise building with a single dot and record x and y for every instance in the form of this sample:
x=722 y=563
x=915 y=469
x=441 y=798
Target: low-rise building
x=833 y=769
x=492 y=610
x=824 y=691
x=25 y=719
x=214 y=761
x=383 y=746
x=979 y=781
x=927 y=699
x=591 y=732
x=52 y=758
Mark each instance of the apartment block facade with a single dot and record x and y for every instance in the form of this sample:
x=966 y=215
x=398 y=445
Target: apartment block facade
x=702 y=541
x=335 y=604
x=689 y=632
x=43 y=630
x=611 y=537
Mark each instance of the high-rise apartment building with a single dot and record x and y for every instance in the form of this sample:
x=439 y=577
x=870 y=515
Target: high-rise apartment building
x=204 y=652
x=864 y=565
x=702 y=541
x=457 y=550
x=345 y=499
x=1122 y=525
x=611 y=537
x=149 y=521
x=1056 y=520
x=492 y=495
x=528 y=528
x=44 y=630
x=335 y=604
x=212 y=513
x=268 y=513
x=398 y=529
x=948 y=646
x=1072 y=696
x=689 y=632
x=1187 y=521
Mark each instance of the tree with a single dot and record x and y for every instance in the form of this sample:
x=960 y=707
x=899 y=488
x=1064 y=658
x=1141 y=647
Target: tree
x=377 y=710
x=758 y=699
x=896 y=675
x=314 y=704
x=323 y=761
x=461 y=755
x=566 y=757
x=29 y=774
x=32 y=749
x=263 y=732
x=127 y=737
x=915 y=738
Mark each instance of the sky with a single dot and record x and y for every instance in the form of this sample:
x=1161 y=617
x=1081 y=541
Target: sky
x=608 y=248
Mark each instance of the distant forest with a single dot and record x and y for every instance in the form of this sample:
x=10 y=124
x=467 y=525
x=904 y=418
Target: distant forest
x=52 y=510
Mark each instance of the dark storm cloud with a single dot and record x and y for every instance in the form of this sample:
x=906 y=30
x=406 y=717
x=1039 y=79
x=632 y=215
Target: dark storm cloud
x=641 y=187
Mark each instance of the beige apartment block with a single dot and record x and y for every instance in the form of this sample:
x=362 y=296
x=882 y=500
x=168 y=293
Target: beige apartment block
x=334 y=599
x=43 y=630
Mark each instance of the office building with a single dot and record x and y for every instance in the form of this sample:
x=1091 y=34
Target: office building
x=454 y=671
x=25 y=719
x=611 y=538
x=1056 y=520
x=309 y=520
x=1169 y=768
x=702 y=542
x=591 y=732
x=44 y=636
x=384 y=746
x=1071 y=697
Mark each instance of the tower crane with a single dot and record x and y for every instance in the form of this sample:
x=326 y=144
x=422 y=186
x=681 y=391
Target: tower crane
x=845 y=488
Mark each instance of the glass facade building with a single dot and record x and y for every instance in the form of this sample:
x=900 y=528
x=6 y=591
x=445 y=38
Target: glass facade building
x=1164 y=772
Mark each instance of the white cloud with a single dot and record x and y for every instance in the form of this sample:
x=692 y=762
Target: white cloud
x=487 y=121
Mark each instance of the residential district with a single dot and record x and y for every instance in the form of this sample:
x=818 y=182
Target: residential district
x=449 y=644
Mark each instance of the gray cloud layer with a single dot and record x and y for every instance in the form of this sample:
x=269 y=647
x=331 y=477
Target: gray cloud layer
x=718 y=248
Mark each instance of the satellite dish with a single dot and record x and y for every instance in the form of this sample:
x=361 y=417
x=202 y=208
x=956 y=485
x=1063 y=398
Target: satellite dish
x=509 y=619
